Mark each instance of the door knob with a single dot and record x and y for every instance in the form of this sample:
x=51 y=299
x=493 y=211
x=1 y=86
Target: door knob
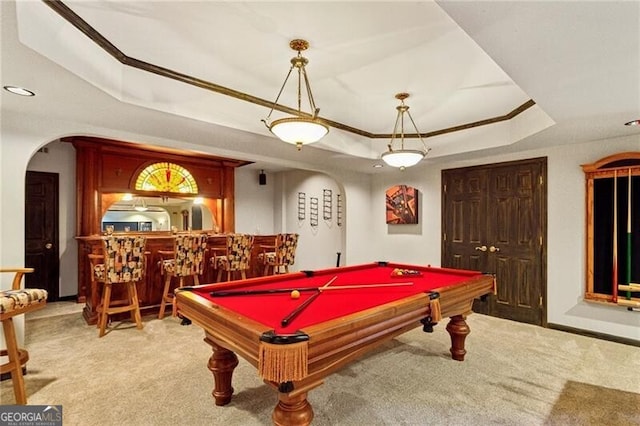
x=48 y=246
x=493 y=249
x=481 y=248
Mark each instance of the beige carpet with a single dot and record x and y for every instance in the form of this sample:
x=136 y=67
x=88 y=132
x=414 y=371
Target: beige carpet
x=514 y=374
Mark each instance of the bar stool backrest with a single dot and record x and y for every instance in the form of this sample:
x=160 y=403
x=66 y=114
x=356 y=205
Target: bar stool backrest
x=286 y=249
x=189 y=254
x=124 y=258
x=239 y=251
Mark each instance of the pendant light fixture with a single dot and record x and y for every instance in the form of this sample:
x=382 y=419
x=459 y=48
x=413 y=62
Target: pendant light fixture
x=398 y=155
x=304 y=128
x=139 y=204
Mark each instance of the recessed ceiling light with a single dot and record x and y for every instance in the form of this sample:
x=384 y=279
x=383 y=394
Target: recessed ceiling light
x=377 y=166
x=19 y=91
x=633 y=123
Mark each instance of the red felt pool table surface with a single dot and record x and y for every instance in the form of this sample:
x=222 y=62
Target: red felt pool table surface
x=270 y=309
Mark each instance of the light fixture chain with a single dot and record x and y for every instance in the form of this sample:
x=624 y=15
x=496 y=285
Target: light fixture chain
x=312 y=103
x=418 y=132
x=280 y=93
x=402 y=111
x=300 y=72
x=395 y=132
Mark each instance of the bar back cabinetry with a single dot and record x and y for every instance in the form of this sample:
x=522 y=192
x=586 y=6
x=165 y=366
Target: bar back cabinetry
x=106 y=170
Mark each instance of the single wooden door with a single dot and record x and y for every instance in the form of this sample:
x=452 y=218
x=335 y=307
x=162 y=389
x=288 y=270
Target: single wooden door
x=494 y=221
x=41 y=232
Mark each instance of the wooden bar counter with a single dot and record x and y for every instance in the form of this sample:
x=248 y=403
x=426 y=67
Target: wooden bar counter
x=150 y=289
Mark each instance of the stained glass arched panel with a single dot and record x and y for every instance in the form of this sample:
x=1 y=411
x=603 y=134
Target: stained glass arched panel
x=166 y=177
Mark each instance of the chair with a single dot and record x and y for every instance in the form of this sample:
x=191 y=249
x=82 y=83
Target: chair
x=188 y=260
x=280 y=255
x=14 y=302
x=124 y=264
x=235 y=257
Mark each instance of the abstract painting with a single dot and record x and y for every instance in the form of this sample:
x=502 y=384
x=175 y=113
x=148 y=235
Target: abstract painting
x=402 y=205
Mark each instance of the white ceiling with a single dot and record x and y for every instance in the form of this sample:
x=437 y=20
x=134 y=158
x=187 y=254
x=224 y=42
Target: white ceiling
x=461 y=62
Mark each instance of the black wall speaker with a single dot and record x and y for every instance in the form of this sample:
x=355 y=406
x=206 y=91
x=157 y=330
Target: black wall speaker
x=262 y=178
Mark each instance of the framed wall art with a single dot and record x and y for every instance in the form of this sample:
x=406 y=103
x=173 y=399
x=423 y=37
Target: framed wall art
x=402 y=205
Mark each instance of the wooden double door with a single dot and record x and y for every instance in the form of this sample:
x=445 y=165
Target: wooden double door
x=494 y=221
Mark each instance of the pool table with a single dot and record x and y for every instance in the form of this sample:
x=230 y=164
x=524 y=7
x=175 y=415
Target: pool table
x=296 y=340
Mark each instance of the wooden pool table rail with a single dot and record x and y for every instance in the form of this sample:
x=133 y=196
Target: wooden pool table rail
x=332 y=344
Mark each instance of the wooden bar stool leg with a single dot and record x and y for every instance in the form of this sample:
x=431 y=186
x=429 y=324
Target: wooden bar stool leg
x=132 y=312
x=165 y=294
x=14 y=359
x=133 y=299
x=101 y=286
x=106 y=301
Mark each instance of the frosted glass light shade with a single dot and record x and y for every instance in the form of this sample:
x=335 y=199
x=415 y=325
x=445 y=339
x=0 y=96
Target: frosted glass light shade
x=403 y=158
x=298 y=130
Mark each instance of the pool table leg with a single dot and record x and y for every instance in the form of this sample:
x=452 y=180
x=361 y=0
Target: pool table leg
x=458 y=330
x=221 y=364
x=293 y=409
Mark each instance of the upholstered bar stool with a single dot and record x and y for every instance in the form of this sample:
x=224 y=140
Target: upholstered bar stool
x=14 y=302
x=235 y=257
x=124 y=265
x=279 y=256
x=188 y=261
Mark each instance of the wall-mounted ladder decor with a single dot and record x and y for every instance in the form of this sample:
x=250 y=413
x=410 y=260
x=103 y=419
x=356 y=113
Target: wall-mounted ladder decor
x=327 y=204
x=302 y=201
x=313 y=211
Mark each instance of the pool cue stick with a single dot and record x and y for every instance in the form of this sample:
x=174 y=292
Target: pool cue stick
x=301 y=289
x=628 y=274
x=614 y=272
x=286 y=320
x=357 y=286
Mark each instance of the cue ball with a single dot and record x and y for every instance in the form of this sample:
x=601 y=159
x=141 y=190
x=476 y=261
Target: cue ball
x=295 y=294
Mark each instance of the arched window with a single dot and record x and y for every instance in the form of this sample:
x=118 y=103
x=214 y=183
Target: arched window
x=166 y=177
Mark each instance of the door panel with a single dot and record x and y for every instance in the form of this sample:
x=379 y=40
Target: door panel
x=461 y=219
x=475 y=263
x=41 y=232
x=476 y=216
x=457 y=231
x=502 y=271
x=525 y=270
x=496 y=213
x=515 y=185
